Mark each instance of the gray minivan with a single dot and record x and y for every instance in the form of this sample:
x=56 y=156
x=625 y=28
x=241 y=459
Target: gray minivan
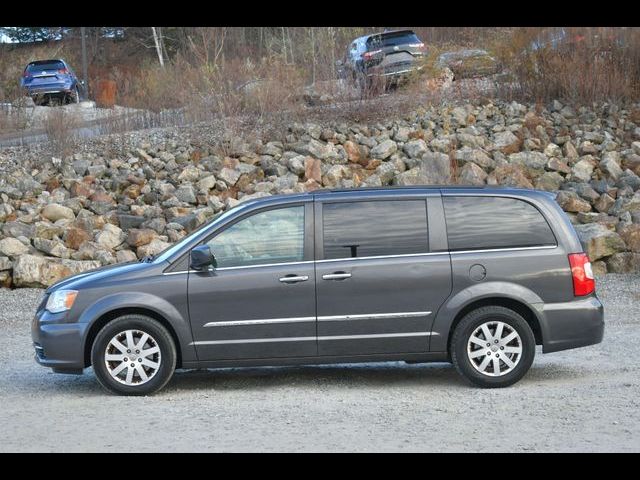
x=473 y=276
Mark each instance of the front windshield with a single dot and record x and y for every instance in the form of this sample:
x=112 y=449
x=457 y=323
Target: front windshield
x=173 y=249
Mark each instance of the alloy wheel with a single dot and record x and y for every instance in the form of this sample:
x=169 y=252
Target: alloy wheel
x=132 y=357
x=494 y=348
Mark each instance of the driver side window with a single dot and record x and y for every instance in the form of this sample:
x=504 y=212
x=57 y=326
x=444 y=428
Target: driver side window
x=272 y=236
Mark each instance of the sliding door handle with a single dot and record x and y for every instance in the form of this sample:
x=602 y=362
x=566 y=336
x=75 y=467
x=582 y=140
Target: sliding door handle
x=294 y=278
x=336 y=276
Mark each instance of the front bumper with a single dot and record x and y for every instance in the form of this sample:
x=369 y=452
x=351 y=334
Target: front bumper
x=58 y=344
x=571 y=324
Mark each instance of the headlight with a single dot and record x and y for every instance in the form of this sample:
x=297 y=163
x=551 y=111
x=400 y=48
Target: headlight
x=61 y=300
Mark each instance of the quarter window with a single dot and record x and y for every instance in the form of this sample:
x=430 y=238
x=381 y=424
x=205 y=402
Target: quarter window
x=494 y=222
x=377 y=228
x=272 y=236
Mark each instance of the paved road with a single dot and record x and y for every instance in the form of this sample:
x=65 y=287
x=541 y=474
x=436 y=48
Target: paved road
x=580 y=400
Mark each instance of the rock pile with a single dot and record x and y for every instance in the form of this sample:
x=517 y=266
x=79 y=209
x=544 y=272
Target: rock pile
x=62 y=216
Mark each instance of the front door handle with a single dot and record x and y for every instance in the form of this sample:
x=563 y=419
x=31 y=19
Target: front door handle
x=294 y=278
x=336 y=276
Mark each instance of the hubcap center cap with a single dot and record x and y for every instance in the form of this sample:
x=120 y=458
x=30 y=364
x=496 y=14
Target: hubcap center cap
x=494 y=348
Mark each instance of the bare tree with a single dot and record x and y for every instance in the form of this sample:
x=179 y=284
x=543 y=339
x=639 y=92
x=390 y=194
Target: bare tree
x=156 y=41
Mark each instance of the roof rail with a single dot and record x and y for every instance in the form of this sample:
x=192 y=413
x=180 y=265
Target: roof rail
x=407 y=187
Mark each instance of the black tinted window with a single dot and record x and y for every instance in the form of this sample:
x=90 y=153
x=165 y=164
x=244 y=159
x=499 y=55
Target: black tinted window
x=41 y=67
x=367 y=229
x=492 y=222
x=392 y=39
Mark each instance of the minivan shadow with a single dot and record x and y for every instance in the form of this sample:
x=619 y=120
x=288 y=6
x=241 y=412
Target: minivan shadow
x=347 y=376
x=338 y=376
x=335 y=376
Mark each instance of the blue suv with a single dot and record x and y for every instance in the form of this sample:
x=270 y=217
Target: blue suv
x=50 y=82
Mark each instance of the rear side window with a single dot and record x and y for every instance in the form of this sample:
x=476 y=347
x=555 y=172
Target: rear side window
x=494 y=222
x=392 y=39
x=41 y=67
x=376 y=228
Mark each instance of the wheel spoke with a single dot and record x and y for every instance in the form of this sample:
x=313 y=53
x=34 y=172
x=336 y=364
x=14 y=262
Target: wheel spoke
x=118 y=369
x=130 y=371
x=507 y=361
x=487 y=333
x=116 y=343
x=496 y=366
x=509 y=337
x=517 y=350
x=478 y=353
x=478 y=341
x=142 y=341
x=142 y=373
x=483 y=365
x=114 y=357
x=499 y=329
x=149 y=351
x=148 y=363
x=130 y=343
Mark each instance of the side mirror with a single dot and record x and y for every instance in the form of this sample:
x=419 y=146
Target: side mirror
x=201 y=257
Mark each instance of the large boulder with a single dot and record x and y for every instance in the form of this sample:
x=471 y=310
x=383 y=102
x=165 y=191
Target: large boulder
x=533 y=161
x=571 y=202
x=583 y=170
x=12 y=247
x=229 y=176
x=35 y=271
x=434 y=169
x=549 y=181
x=512 y=175
x=506 y=142
x=54 y=212
x=631 y=236
x=153 y=248
x=598 y=241
x=384 y=149
x=472 y=174
x=625 y=262
x=610 y=165
x=415 y=148
x=475 y=155
x=110 y=237
x=137 y=237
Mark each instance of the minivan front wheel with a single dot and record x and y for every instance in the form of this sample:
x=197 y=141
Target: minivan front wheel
x=133 y=355
x=493 y=347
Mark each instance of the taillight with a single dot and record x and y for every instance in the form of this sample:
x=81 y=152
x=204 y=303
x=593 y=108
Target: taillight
x=370 y=55
x=419 y=46
x=26 y=75
x=64 y=71
x=582 y=274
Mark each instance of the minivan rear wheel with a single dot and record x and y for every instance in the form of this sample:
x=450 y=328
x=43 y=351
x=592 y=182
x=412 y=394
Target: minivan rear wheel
x=493 y=347
x=133 y=355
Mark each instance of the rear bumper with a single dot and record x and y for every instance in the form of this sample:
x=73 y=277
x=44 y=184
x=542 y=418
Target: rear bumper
x=391 y=72
x=571 y=324
x=48 y=89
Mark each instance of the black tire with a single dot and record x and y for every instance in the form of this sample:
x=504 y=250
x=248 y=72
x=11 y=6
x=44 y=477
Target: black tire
x=468 y=325
x=143 y=324
x=75 y=96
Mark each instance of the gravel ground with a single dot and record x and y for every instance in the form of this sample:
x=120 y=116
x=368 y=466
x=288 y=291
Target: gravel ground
x=580 y=400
